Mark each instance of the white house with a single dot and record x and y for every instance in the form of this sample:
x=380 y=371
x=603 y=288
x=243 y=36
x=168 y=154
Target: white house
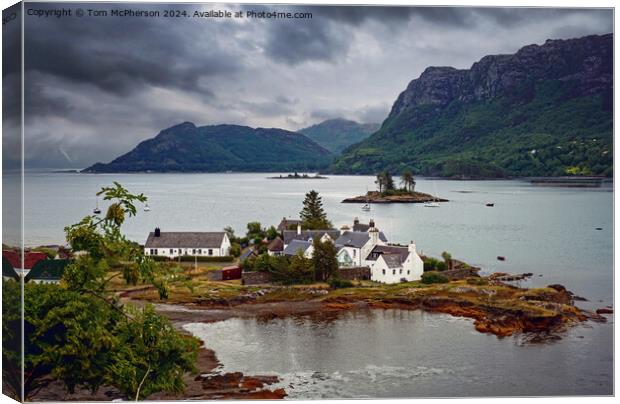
x=175 y=244
x=355 y=246
x=308 y=235
x=393 y=264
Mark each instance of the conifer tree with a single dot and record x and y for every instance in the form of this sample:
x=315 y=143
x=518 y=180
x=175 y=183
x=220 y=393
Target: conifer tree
x=313 y=215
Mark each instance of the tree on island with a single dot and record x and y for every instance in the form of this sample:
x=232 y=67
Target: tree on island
x=313 y=216
x=385 y=182
x=79 y=334
x=324 y=260
x=408 y=180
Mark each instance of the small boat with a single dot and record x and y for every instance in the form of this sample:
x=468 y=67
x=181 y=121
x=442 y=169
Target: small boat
x=490 y=204
x=501 y=258
x=97 y=211
x=433 y=203
x=366 y=207
x=146 y=207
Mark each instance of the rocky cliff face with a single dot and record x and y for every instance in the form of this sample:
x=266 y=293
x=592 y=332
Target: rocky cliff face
x=544 y=111
x=587 y=61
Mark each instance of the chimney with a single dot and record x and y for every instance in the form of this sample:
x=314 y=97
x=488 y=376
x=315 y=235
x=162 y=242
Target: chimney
x=298 y=229
x=356 y=221
x=374 y=233
x=344 y=228
x=411 y=247
x=157 y=232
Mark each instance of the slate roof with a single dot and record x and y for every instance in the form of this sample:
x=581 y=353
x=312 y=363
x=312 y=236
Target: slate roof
x=246 y=254
x=394 y=260
x=356 y=239
x=360 y=226
x=290 y=235
x=388 y=249
x=7 y=269
x=276 y=244
x=188 y=239
x=48 y=270
x=297 y=245
x=286 y=223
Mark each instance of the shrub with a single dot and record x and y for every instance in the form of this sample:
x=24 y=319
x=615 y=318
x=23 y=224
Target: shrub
x=477 y=281
x=441 y=266
x=338 y=283
x=433 y=277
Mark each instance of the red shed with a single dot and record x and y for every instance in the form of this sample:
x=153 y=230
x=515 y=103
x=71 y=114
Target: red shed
x=231 y=272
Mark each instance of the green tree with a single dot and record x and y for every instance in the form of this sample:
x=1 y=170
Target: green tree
x=324 y=260
x=230 y=232
x=255 y=232
x=408 y=180
x=389 y=181
x=447 y=258
x=380 y=181
x=313 y=215
x=272 y=233
x=79 y=334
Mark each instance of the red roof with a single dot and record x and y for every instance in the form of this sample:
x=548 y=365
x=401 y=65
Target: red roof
x=30 y=258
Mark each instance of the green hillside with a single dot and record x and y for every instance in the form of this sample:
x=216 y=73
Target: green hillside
x=549 y=120
x=187 y=148
x=337 y=134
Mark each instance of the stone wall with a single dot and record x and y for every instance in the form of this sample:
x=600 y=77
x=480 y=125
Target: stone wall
x=255 y=278
x=355 y=273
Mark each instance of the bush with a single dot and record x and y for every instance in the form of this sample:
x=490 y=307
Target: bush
x=477 y=281
x=338 y=283
x=433 y=277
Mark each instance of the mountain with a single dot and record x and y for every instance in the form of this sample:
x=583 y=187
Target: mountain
x=337 y=134
x=188 y=148
x=544 y=111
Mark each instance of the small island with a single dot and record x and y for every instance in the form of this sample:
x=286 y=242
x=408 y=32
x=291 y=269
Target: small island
x=297 y=176
x=388 y=193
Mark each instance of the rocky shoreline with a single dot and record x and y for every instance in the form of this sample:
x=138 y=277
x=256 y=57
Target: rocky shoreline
x=376 y=197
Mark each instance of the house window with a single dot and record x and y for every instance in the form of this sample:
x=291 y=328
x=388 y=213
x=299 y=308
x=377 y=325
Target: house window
x=393 y=272
x=354 y=253
x=400 y=272
x=408 y=272
x=210 y=251
x=194 y=251
x=171 y=251
x=384 y=272
x=199 y=251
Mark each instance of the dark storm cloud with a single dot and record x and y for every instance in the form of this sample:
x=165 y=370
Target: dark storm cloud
x=125 y=79
x=293 y=43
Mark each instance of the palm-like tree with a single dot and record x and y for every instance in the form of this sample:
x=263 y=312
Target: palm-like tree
x=408 y=180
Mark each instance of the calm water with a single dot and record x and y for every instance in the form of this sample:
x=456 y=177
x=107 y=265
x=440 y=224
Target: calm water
x=397 y=353
x=547 y=231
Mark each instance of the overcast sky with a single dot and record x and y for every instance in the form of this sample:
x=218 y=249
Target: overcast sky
x=95 y=87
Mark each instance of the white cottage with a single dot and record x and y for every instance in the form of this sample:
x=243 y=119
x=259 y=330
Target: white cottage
x=175 y=244
x=355 y=246
x=393 y=264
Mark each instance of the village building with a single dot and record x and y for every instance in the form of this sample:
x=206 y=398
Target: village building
x=354 y=246
x=309 y=235
x=175 y=244
x=8 y=272
x=393 y=264
x=288 y=224
x=249 y=252
x=275 y=247
x=30 y=259
x=296 y=246
x=47 y=271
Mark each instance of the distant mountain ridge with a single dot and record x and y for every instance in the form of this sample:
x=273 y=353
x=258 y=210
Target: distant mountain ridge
x=188 y=148
x=337 y=134
x=544 y=111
